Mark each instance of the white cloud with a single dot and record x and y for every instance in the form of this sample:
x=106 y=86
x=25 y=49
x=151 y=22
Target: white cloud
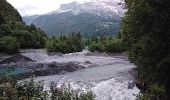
x=31 y=7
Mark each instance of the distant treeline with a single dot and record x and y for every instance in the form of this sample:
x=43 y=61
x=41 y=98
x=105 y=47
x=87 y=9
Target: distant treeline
x=65 y=44
x=110 y=44
x=75 y=43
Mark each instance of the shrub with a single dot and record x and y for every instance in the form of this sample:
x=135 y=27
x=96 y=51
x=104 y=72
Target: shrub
x=50 y=45
x=65 y=93
x=9 y=44
x=30 y=90
x=154 y=92
x=96 y=47
x=114 y=46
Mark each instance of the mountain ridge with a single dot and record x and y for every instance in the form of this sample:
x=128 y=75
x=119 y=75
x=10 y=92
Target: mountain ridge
x=103 y=17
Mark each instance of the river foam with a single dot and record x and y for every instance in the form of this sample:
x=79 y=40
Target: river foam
x=115 y=89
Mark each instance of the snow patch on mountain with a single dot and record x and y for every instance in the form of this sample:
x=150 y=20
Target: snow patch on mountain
x=105 y=8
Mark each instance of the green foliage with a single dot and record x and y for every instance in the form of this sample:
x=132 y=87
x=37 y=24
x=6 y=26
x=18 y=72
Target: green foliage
x=10 y=89
x=65 y=44
x=30 y=37
x=11 y=25
x=145 y=29
x=106 y=44
x=96 y=47
x=65 y=93
x=86 y=96
x=114 y=46
x=9 y=44
x=7 y=12
x=26 y=36
x=154 y=92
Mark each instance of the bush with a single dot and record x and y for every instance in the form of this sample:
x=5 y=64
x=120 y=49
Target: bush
x=154 y=92
x=9 y=44
x=50 y=45
x=30 y=90
x=114 y=46
x=65 y=93
x=96 y=47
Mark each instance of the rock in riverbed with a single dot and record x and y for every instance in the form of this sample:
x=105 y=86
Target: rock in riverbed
x=39 y=69
x=15 y=58
x=56 y=68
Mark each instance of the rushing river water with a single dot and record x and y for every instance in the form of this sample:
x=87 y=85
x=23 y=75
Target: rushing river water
x=108 y=77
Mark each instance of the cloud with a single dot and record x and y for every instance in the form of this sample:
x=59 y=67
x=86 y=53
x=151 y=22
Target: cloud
x=27 y=10
x=31 y=7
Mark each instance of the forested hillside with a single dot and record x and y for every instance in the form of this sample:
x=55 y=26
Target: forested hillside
x=14 y=34
x=8 y=12
x=147 y=34
x=87 y=24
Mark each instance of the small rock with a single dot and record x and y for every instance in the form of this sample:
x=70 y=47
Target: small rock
x=131 y=85
x=87 y=62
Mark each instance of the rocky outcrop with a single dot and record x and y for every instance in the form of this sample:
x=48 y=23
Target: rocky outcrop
x=55 y=68
x=38 y=69
x=139 y=82
x=16 y=58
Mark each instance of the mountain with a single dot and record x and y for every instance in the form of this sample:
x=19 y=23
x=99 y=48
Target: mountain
x=97 y=17
x=29 y=19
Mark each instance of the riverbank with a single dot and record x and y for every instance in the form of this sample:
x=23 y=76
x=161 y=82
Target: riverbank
x=122 y=54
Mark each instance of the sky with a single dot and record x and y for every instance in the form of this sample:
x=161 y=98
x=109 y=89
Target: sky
x=32 y=7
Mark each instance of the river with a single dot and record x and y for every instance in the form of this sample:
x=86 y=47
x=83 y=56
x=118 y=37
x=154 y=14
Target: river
x=108 y=77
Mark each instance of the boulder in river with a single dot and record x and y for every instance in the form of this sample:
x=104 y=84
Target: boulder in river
x=87 y=62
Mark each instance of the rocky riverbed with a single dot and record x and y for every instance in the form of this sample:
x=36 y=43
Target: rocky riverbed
x=110 y=77
x=35 y=68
